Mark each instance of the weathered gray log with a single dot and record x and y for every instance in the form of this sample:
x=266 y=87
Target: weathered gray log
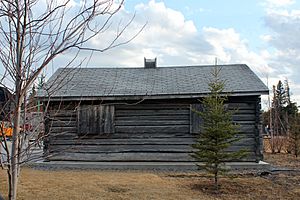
x=121 y=157
x=136 y=148
x=153 y=129
x=247 y=111
x=241 y=106
x=62 y=113
x=150 y=134
x=63 y=129
x=137 y=118
x=152 y=107
x=120 y=148
x=129 y=157
x=63 y=136
x=246 y=128
x=150 y=122
x=244 y=122
x=132 y=141
x=136 y=141
x=120 y=113
x=243 y=117
x=122 y=135
x=58 y=123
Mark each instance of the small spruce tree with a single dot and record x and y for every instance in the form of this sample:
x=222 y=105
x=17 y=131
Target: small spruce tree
x=217 y=132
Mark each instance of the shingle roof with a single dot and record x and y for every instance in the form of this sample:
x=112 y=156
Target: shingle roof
x=113 y=82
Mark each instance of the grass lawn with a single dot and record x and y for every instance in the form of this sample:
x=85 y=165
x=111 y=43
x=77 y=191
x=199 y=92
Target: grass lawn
x=92 y=184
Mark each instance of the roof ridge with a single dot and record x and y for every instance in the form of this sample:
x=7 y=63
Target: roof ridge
x=159 y=67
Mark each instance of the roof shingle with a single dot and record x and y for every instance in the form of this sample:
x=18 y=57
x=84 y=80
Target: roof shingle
x=112 y=82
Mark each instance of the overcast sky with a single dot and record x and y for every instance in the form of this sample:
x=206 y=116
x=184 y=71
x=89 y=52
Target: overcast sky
x=264 y=34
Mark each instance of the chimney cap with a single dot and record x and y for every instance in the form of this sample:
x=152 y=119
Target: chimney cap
x=149 y=63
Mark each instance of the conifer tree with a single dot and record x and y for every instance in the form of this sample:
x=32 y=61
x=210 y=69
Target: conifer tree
x=287 y=92
x=280 y=95
x=218 y=131
x=280 y=102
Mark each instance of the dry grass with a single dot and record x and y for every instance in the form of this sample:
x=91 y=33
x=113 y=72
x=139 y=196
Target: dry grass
x=123 y=185
x=283 y=160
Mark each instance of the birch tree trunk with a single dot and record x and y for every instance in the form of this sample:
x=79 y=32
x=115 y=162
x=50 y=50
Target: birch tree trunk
x=32 y=34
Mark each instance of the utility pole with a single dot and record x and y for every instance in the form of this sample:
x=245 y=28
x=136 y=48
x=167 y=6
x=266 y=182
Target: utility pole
x=269 y=107
x=272 y=128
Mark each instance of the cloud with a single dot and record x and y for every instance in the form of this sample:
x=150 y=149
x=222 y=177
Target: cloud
x=174 y=40
x=266 y=37
x=285 y=28
x=278 y=3
x=229 y=47
x=167 y=35
x=283 y=25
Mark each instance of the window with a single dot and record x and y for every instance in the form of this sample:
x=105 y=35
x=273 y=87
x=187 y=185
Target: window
x=95 y=119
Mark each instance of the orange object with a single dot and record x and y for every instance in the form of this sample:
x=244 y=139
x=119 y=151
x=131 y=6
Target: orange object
x=5 y=127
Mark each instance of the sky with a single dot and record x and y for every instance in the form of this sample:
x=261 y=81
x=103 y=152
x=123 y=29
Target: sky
x=264 y=34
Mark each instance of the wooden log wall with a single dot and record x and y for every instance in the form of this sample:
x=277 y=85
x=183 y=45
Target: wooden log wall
x=155 y=131
x=257 y=133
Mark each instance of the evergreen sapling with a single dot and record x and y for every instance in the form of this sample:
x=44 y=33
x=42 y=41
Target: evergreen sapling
x=218 y=132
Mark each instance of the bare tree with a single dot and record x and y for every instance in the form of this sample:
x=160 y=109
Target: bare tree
x=32 y=34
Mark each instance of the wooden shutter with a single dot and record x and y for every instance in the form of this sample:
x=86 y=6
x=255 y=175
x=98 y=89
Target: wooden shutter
x=108 y=119
x=195 y=119
x=95 y=119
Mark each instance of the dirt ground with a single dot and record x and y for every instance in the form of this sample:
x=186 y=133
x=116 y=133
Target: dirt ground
x=125 y=185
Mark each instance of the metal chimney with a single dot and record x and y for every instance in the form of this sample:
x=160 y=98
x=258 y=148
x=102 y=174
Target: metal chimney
x=149 y=63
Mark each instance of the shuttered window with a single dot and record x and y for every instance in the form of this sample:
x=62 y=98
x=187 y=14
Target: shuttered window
x=95 y=119
x=195 y=119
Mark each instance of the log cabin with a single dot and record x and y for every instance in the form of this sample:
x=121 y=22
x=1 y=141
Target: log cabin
x=5 y=104
x=144 y=114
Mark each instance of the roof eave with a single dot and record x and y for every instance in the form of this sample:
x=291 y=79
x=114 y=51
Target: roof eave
x=140 y=97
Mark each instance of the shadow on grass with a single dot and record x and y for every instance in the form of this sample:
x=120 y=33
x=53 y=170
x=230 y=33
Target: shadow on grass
x=117 y=189
x=226 y=187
